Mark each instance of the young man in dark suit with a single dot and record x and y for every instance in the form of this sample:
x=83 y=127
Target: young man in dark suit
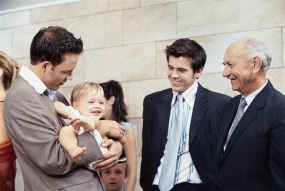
x=199 y=109
x=251 y=155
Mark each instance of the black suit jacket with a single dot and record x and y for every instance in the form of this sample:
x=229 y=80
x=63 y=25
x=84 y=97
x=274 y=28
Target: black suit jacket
x=203 y=133
x=254 y=159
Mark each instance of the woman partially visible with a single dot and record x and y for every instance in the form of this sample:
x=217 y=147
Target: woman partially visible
x=8 y=73
x=116 y=109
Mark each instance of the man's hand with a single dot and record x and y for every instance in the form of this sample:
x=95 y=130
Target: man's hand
x=112 y=130
x=111 y=157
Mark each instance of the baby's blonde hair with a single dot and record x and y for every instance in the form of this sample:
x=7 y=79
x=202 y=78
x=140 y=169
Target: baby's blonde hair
x=82 y=88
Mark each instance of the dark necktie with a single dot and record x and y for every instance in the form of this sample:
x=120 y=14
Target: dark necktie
x=239 y=114
x=50 y=94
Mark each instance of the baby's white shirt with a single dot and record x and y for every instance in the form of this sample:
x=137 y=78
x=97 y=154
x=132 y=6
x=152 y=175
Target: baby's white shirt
x=95 y=134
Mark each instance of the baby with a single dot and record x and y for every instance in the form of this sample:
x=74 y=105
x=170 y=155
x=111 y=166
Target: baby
x=87 y=100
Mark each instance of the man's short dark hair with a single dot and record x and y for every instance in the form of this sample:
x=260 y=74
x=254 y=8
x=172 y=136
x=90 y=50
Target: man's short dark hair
x=188 y=48
x=52 y=44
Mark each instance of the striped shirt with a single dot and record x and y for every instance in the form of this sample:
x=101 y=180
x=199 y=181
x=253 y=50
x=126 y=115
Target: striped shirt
x=185 y=169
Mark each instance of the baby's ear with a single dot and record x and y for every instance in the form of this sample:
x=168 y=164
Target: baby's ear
x=75 y=105
x=1 y=72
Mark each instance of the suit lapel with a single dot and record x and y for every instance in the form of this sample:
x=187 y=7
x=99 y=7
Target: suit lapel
x=244 y=122
x=164 y=108
x=227 y=120
x=199 y=111
x=250 y=114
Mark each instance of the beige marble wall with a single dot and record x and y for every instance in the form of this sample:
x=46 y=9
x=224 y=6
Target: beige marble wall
x=124 y=40
x=206 y=17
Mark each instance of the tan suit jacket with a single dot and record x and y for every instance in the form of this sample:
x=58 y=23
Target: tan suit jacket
x=34 y=126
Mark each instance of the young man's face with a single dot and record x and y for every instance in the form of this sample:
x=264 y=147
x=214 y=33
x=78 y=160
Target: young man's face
x=180 y=73
x=114 y=178
x=54 y=77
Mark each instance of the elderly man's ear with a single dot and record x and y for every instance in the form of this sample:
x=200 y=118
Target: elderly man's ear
x=257 y=64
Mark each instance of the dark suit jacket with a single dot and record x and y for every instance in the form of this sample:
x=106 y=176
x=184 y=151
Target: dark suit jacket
x=203 y=133
x=254 y=159
x=34 y=126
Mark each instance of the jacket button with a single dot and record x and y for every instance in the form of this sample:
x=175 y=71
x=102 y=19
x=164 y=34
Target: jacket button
x=218 y=186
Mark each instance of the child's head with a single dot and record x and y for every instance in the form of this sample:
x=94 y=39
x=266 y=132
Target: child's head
x=114 y=178
x=88 y=99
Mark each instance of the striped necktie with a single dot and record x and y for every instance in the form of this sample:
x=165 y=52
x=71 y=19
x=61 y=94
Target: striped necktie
x=167 y=176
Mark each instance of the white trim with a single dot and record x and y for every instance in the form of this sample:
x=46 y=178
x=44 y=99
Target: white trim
x=24 y=8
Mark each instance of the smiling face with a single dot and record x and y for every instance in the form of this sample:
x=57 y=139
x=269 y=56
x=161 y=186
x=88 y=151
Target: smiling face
x=180 y=73
x=114 y=178
x=244 y=74
x=91 y=103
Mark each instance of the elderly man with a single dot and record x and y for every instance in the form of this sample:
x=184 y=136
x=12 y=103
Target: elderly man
x=251 y=148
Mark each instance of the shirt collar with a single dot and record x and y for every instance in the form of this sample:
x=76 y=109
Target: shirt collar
x=33 y=79
x=251 y=96
x=188 y=95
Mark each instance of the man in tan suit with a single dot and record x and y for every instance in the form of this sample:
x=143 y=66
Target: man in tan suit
x=34 y=125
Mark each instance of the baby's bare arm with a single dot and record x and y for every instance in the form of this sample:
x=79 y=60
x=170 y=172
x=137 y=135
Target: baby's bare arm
x=63 y=110
x=86 y=123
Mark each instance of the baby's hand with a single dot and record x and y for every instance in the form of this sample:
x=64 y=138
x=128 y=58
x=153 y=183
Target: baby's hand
x=73 y=121
x=84 y=122
x=71 y=116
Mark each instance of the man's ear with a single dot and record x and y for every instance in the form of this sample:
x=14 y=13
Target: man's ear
x=257 y=64
x=198 y=72
x=46 y=65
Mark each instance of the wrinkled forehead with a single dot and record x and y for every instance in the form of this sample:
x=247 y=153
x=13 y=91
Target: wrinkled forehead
x=235 y=50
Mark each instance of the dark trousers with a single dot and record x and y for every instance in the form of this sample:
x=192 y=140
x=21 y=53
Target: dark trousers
x=183 y=187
